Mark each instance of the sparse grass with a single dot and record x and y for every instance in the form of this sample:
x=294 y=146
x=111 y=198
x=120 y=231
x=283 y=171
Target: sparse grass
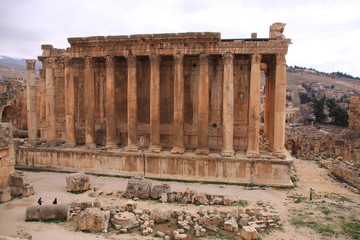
x=241 y=203
x=294 y=180
x=335 y=215
x=79 y=192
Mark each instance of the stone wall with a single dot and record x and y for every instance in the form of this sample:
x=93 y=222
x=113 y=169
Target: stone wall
x=7 y=160
x=189 y=167
x=354 y=116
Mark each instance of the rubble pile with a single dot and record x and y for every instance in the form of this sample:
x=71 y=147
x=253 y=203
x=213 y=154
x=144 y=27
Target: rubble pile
x=247 y=222
x=142 y=188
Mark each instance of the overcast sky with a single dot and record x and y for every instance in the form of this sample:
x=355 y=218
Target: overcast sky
x=325 y=33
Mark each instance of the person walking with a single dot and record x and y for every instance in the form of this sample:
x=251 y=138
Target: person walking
x=55 y=201
x=312 y=192
x=40 y=201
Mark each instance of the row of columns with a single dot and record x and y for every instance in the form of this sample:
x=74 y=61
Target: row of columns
x=278 y=89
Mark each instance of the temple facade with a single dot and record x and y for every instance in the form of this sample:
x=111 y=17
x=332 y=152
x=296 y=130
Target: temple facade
x=158 y=101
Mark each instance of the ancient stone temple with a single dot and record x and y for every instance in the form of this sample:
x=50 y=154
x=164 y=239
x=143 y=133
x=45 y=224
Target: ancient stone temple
x=181 y=106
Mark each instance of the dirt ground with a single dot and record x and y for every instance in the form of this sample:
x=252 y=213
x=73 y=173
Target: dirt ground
x=333 y=214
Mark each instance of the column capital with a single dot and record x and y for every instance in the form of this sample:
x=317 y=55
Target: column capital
x=131 y=60
x=110 y=61
x=256 y=58
x=67 y=61
x=228 y=58
x=179 y=57
x=49 y=62
x=88 y=61
x=30 y=64
x=204 y=58
x=280 y=58
x=155 y=60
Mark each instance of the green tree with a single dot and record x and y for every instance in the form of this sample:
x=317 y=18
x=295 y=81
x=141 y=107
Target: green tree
x=304 y=98
x=318 y=107
x=331 y=103
x=340 y=116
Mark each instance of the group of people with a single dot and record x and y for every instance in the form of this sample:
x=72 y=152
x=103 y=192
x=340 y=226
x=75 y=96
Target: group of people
x=40 y=201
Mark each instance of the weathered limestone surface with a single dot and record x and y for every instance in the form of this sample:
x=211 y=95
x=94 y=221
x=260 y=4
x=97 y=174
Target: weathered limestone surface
x=156 y=92
x=7 y=161
x=48 y=212
x=94 y=220
x=19 y=185
x=138 y=187
x=77 y=182
x=157 y=190
x=124 y=220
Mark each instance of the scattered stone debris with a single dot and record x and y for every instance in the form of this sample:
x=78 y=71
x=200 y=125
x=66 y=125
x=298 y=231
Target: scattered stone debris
x=138 y=187
x=77 y=182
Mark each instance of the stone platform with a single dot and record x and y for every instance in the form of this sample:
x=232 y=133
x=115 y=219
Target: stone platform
x=264 y=170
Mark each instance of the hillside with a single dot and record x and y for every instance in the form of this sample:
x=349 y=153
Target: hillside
x=12 y=67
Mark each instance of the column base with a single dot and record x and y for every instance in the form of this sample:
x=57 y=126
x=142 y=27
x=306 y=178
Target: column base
x=202 y=151
x=110 y=146
x=131 y=148
x=252 y=153
x=281 y=153
x=180 y=150
x=90 y=146
x=227 y=153
x=155 y=148
x=69 y=145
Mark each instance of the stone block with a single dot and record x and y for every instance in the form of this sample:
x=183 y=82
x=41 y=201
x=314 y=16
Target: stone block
x=158 y=190
x=160 y=216
x=201 y=199
x=48 y=212
x=249 y=233
x=138 y=187
x=94 y=220
x=5 y=194
x=77 y=182
x=130 y=206
x=231 y=225
x=18 y=179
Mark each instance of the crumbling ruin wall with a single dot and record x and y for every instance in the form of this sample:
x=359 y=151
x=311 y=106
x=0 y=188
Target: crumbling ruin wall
x=7 y=161
x=354 y=116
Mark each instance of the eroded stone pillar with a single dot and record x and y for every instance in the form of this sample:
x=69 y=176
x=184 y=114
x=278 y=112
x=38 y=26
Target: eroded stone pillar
x=132 y=104
x=155 y=103
x=69 y=104
x=50 y=101
x=89 y=104
x=31 y=98
x=178 y=105
x=110 y=103
x=254 y=107
x=279 y=105
x=228 y=106
x=203 y=106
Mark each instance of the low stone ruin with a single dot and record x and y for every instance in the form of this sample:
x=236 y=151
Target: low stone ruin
x=19 y=185
x=238 y=221
x=142 y=188
x=77 y=182
x=345 y=171
x=47 y=212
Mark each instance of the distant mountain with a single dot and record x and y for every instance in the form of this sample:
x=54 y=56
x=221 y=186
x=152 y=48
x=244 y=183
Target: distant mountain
x=14 y=67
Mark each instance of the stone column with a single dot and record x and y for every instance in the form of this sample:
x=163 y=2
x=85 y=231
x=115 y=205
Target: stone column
x=89 y=104
x=50 y=101
x=203 y=106
x=254 y=107
x=178 y=105
x=69 y=104
x=132 y=104
x=110 y=103
x=279 y=106
x=228 y=106
x=155 y=103
x=31 y=98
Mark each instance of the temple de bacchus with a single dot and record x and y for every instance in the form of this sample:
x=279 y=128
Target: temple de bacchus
x=180 y=106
